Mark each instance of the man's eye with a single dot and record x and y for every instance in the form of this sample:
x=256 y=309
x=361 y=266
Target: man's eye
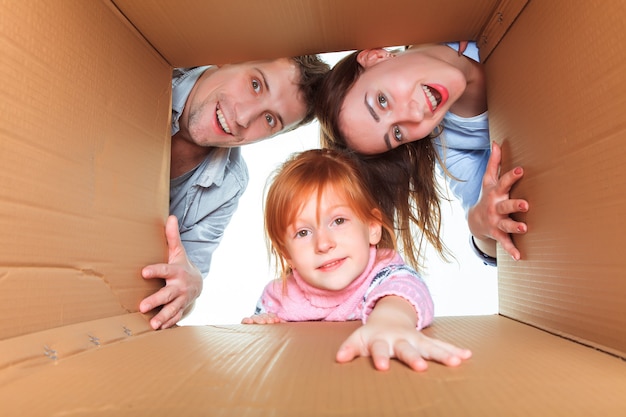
x=256 y=85
x=382 y=101
x=270 y=120
x=397 y=134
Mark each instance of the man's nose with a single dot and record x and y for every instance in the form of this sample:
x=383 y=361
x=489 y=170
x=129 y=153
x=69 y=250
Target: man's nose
x=247 y=112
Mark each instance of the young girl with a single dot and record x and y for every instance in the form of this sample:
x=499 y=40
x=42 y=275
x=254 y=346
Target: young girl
x=335 y=252
x=405 y=111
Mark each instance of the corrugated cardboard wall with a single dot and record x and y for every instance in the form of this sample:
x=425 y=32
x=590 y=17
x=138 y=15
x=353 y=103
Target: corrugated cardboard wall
x=557 y=100
x=197 y=32
x=84 y=151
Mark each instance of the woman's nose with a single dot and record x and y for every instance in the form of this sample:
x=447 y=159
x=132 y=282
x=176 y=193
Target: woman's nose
x=415 y=111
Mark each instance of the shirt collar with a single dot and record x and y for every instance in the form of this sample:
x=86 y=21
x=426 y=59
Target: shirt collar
x=183 y=80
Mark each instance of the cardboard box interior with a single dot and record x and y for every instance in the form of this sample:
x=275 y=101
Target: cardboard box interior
x=85 y=156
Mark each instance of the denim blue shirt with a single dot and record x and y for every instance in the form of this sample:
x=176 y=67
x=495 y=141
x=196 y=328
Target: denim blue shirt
x=465 y=151
x=205 y=198
x=464 y=147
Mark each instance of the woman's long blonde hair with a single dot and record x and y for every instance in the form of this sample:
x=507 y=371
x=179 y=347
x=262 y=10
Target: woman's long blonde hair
x=404 y=178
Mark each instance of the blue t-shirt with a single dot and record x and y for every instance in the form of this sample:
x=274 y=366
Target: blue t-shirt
x=464 y=147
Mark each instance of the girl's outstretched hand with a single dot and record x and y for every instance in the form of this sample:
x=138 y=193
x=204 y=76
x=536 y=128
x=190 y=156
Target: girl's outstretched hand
x=389 y=333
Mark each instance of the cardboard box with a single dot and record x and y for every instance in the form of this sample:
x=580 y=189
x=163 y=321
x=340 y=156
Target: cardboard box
x=85 y=153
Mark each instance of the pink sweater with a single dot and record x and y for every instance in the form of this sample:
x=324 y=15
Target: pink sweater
x=300 y=301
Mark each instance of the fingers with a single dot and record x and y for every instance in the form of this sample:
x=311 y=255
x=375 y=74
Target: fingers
x=156 y=271
x=347 y=352
x=493 y=165
x=448 y=354
x=509 y=247
x=171 y=312
x=380 y=352
x=172 y=235
x=410 y=356
x=462 y=47
x=508 y=179
x=166 y=323
x=269 y=318
x=511 y=206
x=415 y=352
x=508 y=225
x=173 y=302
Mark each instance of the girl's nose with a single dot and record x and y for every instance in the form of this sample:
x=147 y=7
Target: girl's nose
x=324 y=242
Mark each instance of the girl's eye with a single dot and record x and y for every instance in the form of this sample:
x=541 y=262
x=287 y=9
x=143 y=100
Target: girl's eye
x=302 y=233
x=382 y=101
x=397 y=134
x=256 y=85
x=339 y=221
x=270 y=120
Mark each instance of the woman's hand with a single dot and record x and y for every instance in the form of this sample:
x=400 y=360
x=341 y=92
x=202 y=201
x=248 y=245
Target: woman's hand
x=490 y=218
x=390 y=333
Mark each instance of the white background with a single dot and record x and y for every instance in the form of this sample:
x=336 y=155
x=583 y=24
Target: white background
x=241 y=267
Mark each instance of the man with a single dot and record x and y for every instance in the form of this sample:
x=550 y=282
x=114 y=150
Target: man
x=215 y=110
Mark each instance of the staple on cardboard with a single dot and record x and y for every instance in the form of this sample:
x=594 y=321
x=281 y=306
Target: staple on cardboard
x=95 y=340
x=50 y=353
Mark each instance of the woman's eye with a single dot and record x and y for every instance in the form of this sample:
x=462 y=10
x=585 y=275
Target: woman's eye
x=397 y=134
x=256 y=85
x=270 y=120
x=382 y=101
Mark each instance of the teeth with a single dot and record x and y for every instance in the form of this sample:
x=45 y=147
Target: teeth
x=222 y=120
x=430 y=96
x=329 y=264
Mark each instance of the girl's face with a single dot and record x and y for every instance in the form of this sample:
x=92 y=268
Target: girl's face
x=330 y=248
x=398 y=99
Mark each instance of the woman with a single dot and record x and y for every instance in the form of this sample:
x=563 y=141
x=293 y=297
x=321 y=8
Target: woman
x=404 y=112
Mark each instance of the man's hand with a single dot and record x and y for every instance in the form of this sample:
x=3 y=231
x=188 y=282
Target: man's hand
x=490 y=218
x=183 y=282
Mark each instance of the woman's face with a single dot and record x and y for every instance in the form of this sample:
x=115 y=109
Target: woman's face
x=398 y=99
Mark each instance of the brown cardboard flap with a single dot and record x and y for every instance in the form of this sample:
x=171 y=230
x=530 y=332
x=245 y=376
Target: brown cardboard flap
x=63 y=342
x=200 y=32
x=289 y=370
x=501 y=20
x=557 y=100
x=85 y=104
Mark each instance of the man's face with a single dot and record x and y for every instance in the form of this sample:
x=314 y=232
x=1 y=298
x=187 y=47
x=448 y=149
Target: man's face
x=243 y=103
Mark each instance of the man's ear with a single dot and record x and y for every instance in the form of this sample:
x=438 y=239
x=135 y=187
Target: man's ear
x=371 y=57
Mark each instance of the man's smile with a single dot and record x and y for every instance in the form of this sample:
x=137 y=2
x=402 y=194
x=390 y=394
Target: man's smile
x=222 y=120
